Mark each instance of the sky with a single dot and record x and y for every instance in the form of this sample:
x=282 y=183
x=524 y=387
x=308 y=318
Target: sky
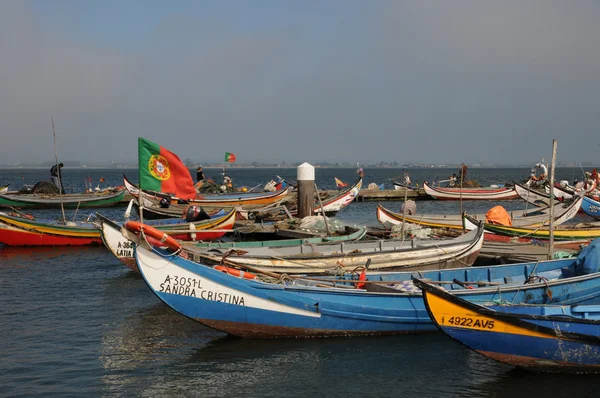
x=433 y=81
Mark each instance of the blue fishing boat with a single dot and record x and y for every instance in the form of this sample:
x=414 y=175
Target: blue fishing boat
x=549 y=338
x=591 y=207
x=246 y=304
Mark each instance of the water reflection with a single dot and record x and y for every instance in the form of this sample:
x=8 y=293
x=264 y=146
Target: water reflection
x=25 y=257
x=387 y=366
x=508 y=381
x=148 y=338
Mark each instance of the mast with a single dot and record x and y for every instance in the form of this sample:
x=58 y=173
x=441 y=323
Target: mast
x=59 y=174
x=551 y=237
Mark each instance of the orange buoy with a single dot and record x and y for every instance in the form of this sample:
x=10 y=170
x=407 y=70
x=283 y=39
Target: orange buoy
x=235 y=272
x=160 y=236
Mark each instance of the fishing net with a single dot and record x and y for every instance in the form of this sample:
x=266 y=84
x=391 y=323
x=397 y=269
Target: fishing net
x=45 y=187
x=411 y=207
x=208 y=186
x=316 y=223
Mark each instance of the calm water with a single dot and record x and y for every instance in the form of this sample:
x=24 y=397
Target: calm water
x=74 y=321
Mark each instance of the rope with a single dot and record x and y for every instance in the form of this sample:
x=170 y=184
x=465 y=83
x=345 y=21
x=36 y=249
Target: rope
x=155 y=250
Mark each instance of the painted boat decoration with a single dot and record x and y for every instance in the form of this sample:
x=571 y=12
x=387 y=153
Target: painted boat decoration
x=533 y=196
x=562 y=211
x=470 y=193
x=121 y=242
x=579 y=231
x=244 y=199
x=4 y=188
x=384 y=255
x=21 y=230
x=549 y=338
x=71 y=201
x=247 y=306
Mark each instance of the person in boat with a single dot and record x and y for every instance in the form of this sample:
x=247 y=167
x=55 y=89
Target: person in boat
x=452 y=180
x=407 y=181
x=199 y=174
x=227 y=184
x=56 y=177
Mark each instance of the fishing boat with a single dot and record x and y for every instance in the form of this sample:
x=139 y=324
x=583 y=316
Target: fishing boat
x=561 y=192
x=18 y=229
x=387 y=255
x=332 y=205
x=105 y=198
x=121 y=243
x=566 y=232
x=536 y=197
x=591 y=207
x=245 y=199
x=470 y=193
x=562 y=213
x=245 y=304
x=537 y=337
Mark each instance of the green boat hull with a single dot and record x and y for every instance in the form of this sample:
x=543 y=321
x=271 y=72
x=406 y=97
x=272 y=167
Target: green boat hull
x=32 y=201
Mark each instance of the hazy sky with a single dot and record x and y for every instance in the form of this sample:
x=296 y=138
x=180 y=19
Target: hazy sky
x=357 y=81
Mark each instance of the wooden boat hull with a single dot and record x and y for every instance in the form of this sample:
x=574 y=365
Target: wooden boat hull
x=384 y=255
x=22 y=231
x=255 y=309
x=565 y=244
x=561 y=233
x=535 y=197
x=71 y=201
x=15 y=236
x=335 y=204
x=470 y=193
x=245 y=200
x=122 y=247
x=533 y=337
x=591 y=207
x=562 y=213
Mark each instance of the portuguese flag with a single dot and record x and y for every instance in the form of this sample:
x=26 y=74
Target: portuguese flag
x=163 y=171
x=229 y=157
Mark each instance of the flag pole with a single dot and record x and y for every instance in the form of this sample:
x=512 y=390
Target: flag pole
x=551 y=226
x=141 y=194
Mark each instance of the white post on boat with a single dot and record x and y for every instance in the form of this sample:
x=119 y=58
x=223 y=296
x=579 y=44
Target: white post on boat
x=551 y=231
x=306 y=189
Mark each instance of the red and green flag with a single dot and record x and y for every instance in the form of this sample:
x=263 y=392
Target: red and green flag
x=229 y=157
x=163 y=171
